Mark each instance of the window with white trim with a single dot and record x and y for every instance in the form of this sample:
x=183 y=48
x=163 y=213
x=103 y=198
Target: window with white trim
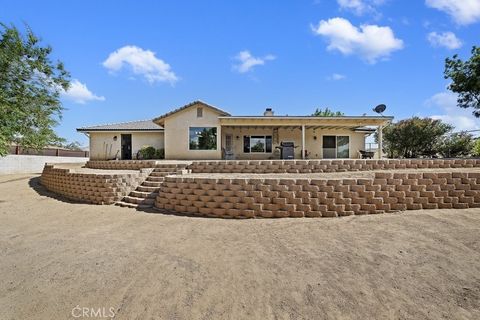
x=257 y=144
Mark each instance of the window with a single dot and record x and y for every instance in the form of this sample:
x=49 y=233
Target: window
x=199 y=112
x=257 y=144
x=203 y=138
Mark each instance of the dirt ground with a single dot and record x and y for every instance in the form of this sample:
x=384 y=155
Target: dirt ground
x=56 y=256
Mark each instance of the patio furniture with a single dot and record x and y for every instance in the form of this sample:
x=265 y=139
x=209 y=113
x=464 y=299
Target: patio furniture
x=366 y=154
x=228 y=155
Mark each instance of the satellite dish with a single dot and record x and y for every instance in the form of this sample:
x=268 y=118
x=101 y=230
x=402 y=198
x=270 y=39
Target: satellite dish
x=380 y=109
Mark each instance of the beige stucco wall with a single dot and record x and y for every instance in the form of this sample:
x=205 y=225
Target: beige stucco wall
x=103 y=147
x=314 y=147
x=176 y=128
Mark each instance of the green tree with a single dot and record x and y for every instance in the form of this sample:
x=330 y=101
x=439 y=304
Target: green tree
x=30 y=87
x=414 y=137
x=476 y=147
x=465 y=76
x=75 y=145
x=326 y=113
x=457 y=144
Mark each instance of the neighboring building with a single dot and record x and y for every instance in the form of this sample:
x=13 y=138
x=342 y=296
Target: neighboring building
x=200 y=131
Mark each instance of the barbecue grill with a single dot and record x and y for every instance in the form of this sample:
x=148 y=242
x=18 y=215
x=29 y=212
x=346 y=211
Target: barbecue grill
x=287 y=150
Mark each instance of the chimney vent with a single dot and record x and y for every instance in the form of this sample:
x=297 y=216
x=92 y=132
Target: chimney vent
x=268 y=112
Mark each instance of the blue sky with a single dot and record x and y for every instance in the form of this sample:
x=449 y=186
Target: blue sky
x=133 y=60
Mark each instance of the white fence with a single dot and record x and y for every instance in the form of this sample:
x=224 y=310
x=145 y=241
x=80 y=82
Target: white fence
x=32 y=164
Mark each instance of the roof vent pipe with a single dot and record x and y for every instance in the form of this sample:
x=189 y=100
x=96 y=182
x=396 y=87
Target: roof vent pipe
x=268 y=112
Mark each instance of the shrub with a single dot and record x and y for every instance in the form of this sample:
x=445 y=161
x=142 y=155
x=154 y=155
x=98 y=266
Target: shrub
x=160 y=154
x=147 y=152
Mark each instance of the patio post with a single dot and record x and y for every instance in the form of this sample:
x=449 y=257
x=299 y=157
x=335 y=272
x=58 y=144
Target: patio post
x=380 y=141
x=303 y=141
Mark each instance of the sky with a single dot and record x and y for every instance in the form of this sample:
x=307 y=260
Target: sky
x=135 y=60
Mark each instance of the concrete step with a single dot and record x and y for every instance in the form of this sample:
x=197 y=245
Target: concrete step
x=160 y=174
x=142 y=194
x=133 y=205
x=156 y=184
x=169 y=169
x=136 y=200
x=147 y=189
x=156 y=179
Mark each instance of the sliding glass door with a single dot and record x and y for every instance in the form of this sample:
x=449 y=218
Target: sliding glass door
x=343 y=147
x=336 y=147
x=329 y=147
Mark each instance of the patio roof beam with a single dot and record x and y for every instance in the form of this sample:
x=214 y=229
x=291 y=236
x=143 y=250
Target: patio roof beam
x=307 y=121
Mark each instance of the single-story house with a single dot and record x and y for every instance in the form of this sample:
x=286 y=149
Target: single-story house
x=200 y=131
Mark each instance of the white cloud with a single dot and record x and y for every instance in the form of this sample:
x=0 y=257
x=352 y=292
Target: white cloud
x=461 y=119
x=446 y=39
x=79 y=93
x=336 y=77
x=462 y=11
x=371 y=42
x=360 y=7
x=142 y=62
x=247 y=61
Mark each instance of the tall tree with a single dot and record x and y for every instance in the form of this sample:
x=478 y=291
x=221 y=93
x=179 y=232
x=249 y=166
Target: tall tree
x=414 y=137
x=458 y=144
x=326 y=113
x=30 y=87
x=465 y=76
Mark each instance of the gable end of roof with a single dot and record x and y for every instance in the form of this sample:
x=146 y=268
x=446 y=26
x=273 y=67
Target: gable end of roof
x=188 y=105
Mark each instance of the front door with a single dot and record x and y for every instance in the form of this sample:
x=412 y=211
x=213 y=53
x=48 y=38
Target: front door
x=228 y=143
x=126 y=146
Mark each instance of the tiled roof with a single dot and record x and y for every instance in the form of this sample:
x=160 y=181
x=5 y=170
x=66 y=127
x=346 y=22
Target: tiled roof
x=222 y=112
x=143 y=125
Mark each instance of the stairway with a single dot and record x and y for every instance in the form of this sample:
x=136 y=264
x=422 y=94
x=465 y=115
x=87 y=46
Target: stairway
x=144 y=195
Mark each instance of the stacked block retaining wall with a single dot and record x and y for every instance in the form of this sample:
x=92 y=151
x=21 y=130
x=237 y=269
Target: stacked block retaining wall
x=267 y=198
x=97 y=188
x=121 y=164
x=338 y=165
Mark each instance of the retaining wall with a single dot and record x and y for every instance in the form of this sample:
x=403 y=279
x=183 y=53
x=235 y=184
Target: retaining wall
x=121 y=164
x=97 y=188
x=309 y=166
x=385 y=192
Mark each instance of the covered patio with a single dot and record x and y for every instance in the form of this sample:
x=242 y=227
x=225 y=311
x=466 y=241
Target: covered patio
x=313 y=137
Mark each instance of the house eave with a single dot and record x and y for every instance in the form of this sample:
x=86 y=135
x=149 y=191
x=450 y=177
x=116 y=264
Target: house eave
x=118 y=130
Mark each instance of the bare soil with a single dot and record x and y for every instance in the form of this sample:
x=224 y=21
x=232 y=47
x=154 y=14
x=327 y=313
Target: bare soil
x=56 y=255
